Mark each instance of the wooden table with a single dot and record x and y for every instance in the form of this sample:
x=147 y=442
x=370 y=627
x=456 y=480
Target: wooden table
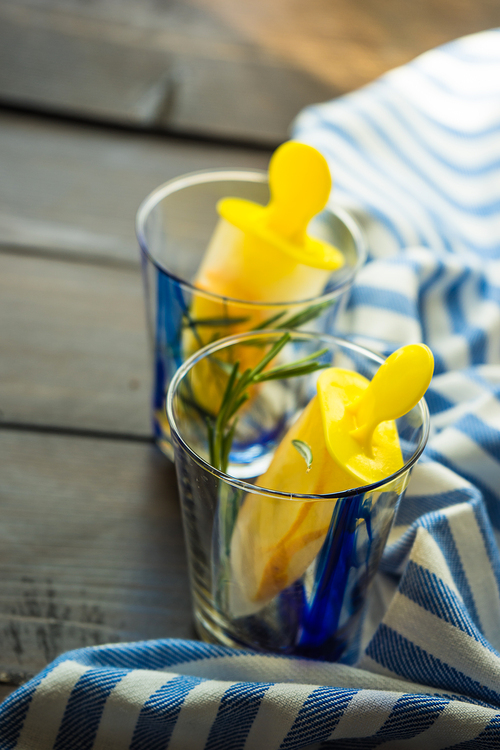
x=100 y=103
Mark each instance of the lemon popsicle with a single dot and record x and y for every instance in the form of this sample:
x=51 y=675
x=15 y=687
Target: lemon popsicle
x=350 y=431
x=264 y=254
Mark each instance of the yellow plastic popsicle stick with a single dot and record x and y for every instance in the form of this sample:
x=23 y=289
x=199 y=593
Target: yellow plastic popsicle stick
x=358 y=415
x=300 y=184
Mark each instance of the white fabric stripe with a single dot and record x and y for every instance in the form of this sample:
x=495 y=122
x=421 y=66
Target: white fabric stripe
x=484 y=44
x=494 y=270
x=365 y=714
x=380 y=596
x=485 y=315
x=374 y=321
x=468 y=455
x=278 y=710
x=197 y=715
x=427 y=553
x=452 y=348
x=480 y=153
x=404 y=175
x=367 y=663
x=444 y=641
x=477 y=567
x=422 y=149
x=381 y=276
x=457 y=722
x=124 y=705
x=365 y=181
x=451 y=416
x=480 y=78
x=434 y=479
x=47 y=707
x=490 y=373
x=443 y=106
x=435 y=310
x=488 y=409
x=458 y=387
x=256 y=668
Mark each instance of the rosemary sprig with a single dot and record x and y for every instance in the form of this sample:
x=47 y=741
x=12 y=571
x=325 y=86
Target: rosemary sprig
x=221 y=429
x=295 y=321
x=301 y=318
x=213 y=322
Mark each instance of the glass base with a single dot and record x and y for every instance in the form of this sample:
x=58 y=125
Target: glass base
x=345 y=648
x=211 y=634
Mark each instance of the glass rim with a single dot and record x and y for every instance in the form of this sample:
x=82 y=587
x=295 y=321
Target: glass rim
x=277 y=494
x=203 y=176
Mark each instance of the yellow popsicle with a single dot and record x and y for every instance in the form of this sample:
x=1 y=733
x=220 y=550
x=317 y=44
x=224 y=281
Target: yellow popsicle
x=264 y=253
x=350 y=429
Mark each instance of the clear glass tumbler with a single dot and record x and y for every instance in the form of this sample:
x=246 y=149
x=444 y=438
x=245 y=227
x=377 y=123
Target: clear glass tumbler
x=174 y=225
x=325 y=549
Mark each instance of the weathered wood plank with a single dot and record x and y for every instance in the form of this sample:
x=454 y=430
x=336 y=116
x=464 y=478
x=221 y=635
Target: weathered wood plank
x=215 y=66
x=183 y=71
x=74 y=348
x=91 y=548
x=73 y=188
x=348 y=43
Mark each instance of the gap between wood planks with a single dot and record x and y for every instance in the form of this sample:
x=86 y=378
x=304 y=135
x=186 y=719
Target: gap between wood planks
x=76 y=432
x=68 y=256
x=168 y=132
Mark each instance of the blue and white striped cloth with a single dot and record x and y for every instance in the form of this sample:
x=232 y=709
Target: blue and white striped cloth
x=416 y=157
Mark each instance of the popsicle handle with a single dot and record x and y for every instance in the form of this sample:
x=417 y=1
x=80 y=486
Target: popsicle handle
x=397 y=386
x=300 y=184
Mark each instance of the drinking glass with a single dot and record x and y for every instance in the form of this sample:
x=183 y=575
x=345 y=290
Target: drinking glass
x=174 y=226
x=230 y=523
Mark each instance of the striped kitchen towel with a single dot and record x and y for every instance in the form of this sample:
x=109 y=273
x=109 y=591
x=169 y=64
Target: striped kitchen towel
x=416 y=157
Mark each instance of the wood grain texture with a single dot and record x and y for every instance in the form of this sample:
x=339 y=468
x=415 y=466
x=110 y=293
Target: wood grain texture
x=348 y=43
x=215 y=66
x=76 y=189
x=182 y=71
x=91 y=548
x=74 y=347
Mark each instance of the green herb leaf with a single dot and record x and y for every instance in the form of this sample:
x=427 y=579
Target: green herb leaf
x=305 y=451
x=221 y=429
x=305 y=316
x=268 y=322
x=295 y=321
x=214 y=322
x=290 y=372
